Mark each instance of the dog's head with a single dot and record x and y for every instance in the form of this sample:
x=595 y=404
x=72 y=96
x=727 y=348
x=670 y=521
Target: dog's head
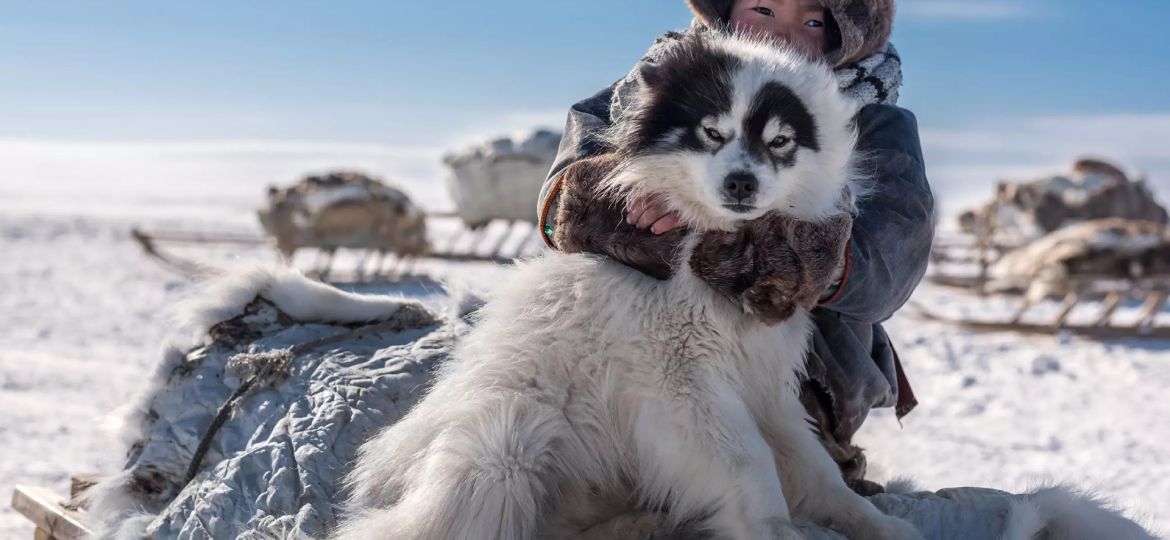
x=728 y=128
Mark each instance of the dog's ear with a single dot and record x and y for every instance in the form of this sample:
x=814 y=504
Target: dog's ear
x=650 y=74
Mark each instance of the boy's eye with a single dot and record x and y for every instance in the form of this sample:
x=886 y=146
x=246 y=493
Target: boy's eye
x=763 y=11
x=814 y=24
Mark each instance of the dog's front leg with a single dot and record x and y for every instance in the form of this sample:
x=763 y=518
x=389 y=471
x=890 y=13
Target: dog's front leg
x=814 y=486
x=702 y=454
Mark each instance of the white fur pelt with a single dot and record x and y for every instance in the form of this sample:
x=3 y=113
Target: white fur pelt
x=119 y=509
x=1049 y=513
x=1069 y=514
x=225 y=295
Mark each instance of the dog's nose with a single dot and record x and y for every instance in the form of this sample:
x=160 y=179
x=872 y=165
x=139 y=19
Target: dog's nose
x=740 y=186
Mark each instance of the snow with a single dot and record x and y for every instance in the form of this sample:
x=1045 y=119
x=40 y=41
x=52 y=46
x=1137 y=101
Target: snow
x=85 y=314
x=1014 y=412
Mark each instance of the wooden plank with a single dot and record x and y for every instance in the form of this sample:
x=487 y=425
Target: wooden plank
x=1150 y=310
x=1112 y=302
x=1091 y=331
x=958 y=282
x=197 y=237
x=1088 y=284
x=1025 y=305
x=49 y=513
x=494 y=251
x=953 y=257
x=1066 y=307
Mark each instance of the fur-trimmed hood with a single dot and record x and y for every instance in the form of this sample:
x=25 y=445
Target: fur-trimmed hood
x=865 y=24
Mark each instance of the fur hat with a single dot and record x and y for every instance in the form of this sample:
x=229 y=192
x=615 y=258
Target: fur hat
x=865 y=24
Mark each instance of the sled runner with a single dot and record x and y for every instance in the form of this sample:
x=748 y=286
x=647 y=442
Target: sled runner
x=500 y=241
x=1091 y=274
x=379 y=223
x=1096 y=321
x=54 y=518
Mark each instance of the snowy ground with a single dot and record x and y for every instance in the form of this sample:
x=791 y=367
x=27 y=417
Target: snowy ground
x=84 y=313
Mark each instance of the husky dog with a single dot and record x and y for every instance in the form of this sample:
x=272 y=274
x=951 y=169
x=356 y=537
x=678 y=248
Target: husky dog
x=587 y=381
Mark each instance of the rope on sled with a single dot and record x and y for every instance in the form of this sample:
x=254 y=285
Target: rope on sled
x=271 y=367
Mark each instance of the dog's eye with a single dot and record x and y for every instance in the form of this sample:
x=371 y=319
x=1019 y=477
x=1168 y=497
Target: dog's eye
x=713 y=134
x=779 y=142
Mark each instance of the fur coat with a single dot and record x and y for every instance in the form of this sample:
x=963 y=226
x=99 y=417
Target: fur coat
x=865 y=24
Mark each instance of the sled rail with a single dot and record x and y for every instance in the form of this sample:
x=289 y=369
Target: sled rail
x=53 y=516
x=1085 y=330
x=499 y=242
x=1153 y=295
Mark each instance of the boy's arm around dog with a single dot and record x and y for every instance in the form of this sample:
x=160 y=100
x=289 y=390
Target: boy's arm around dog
x=894 y=227
x=891 y=235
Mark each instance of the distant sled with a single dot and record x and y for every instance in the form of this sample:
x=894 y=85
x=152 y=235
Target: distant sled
x=1110 y=277
x=346 y=211
x=1092 y=239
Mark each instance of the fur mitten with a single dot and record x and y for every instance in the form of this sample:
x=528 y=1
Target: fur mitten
x=774 y=264
x=593 y=221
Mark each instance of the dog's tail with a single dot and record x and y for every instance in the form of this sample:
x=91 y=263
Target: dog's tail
x=486 y=477
x=1067 y=513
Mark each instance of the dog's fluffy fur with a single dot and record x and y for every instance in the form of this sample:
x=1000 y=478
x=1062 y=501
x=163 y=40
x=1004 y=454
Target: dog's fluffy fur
x=587 y=388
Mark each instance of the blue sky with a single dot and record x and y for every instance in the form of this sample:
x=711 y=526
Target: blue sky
x=987 y=79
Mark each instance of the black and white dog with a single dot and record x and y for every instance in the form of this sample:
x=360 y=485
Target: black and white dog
x=586 y=381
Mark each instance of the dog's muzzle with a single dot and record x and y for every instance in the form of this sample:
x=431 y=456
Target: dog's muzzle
x=739 y=191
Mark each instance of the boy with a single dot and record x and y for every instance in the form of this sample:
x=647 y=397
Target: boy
x=852 y=366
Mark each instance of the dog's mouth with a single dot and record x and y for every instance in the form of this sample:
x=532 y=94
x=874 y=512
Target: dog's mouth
x=740 y=208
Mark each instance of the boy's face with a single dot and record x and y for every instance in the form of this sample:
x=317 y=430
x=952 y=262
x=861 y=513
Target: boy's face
x=799 y=23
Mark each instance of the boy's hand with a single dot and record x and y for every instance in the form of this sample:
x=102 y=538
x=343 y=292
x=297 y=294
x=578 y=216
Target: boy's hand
x=775 y=264
x=651 y=212
x=590 y=220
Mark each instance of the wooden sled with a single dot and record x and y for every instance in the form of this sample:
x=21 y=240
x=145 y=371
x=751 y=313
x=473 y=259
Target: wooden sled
x=964 y=261
x=977 y=254
x=501 y=242
x=1153 y=294
x=54 y=517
